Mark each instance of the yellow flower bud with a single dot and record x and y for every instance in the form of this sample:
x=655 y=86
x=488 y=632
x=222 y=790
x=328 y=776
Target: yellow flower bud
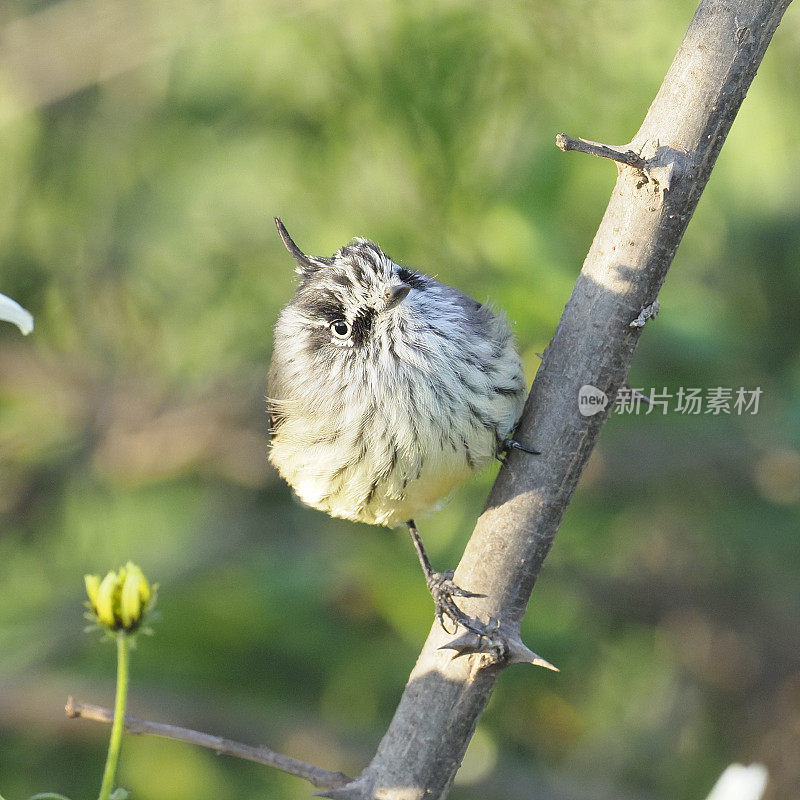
x=120 y=600
x=135 y=595
x=104 y=606
x=92 y=585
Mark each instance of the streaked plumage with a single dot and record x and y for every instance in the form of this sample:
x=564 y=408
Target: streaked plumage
x=387 y=389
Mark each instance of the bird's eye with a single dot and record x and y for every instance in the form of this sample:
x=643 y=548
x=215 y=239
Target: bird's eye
x=340 y=329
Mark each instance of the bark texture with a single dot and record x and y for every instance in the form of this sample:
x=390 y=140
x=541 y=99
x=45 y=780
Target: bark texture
x=594 y=343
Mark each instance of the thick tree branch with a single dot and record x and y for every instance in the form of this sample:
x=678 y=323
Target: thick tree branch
x=321 y=778
x=594 y=343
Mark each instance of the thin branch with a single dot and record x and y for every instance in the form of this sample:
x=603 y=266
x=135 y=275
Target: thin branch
x=623 y=156
x=321 y=778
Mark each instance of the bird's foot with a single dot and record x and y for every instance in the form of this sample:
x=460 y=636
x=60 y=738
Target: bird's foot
x=513 y=444
x=443 y=589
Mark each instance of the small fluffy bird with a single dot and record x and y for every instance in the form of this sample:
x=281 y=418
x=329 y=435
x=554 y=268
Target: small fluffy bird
x=386 y=390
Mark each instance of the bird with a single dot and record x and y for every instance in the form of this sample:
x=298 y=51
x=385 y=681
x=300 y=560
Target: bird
x=386 y=390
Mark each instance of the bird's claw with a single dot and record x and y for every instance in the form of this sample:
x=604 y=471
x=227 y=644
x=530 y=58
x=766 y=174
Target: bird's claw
x=513 y=444
x=443 y=589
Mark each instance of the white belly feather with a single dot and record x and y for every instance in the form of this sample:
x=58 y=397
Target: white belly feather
x=389 y=477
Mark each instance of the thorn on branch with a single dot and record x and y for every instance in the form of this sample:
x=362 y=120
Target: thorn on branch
x=636 y=393
x=648 y=312
x=618 y=154
x=321 y=778
x=502 y=645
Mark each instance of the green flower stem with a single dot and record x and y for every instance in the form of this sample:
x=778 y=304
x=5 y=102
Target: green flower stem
x=118 y=726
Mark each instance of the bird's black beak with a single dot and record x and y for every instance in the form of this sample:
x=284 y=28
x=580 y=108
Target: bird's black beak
x=396 y=294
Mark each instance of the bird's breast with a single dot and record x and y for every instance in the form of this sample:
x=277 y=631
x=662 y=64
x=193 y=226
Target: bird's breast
x=378 y=467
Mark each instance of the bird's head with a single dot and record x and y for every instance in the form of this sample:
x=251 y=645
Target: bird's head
x=341 y=301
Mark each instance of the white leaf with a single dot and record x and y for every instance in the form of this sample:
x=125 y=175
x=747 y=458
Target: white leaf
x=12 y=311
x=740 y=783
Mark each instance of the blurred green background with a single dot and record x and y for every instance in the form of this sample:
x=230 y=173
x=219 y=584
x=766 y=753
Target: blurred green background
x=144 y=149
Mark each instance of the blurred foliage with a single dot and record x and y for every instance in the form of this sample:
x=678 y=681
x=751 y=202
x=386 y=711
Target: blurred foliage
x=142 y=164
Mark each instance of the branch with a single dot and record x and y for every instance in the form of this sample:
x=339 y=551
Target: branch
x=320 y=778
x=594 y=343
x=620 y=154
